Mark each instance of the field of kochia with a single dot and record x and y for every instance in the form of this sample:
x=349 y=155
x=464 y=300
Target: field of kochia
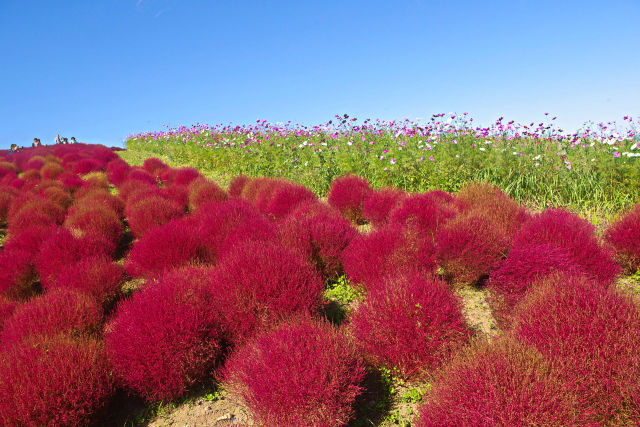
x=155 y=283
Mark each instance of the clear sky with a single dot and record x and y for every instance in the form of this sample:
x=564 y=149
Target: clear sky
x=102 y=69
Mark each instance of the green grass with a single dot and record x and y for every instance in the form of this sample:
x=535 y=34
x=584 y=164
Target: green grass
x=534 y=172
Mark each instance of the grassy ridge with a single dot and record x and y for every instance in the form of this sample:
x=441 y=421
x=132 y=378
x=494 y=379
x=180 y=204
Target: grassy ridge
x=581 y=173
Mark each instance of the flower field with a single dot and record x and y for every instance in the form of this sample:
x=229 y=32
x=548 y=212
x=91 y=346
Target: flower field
x=156 y=284
x=536 y=163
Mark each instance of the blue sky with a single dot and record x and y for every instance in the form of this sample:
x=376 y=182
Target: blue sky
x=100 y=70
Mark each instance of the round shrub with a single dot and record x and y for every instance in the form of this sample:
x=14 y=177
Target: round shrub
x=624 y=236
x=203 y=190
x=380 y=203
x=348 y=194
x=471 y=246
x=117 y=171
x=97 y=276
x=141 y=175
x=62 y=249
x=285 y=198
x=62 y=311
x=388 y=251
x=100 y=198
x=259 y=284
x=38 y=208
x=153 y=165
x=29 y=239
x=84 y=166
x=303 y=373
x=410 y=324
x=524 y=266
x=576 y=236
x=95 y=220
x=499 y=383
x=58 y=196
x=424 y=213
x=7 y=195
x=172 y=245
x=184 y=176
x=96 y=180
x=69 y=181
x=321 y=240
x=150 y=212
x=222 y=226
x=17 y=275
x=592 y=336
x=7 y=307
x=236 y=185
x=165 y=338
x=51 y=170
x=54 y=381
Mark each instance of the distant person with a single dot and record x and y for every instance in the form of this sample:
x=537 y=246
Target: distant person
x=65 y=140
x=36 y=142
x=73 y=140
x=58 y=139
x=14 y=149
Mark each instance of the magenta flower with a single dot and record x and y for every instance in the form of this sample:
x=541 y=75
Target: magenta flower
x=616 y=154
x=392 y=161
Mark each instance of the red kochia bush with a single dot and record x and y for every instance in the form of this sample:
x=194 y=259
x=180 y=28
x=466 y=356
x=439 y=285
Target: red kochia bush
x=473 y=243
x=592 y=336
x=69 y=181
x=141 y=175
x=51 y=170
x=222 y=226
x=29 y=239
x=576 y=236
x=62 y=249
x=260 y=283
x=348 y=194
x=303 y=373
x=117 y=171
x=236 y=185
x=523 y=267
x=624 y=236
x=53 y=382
x=411 y=323
x=203 y=190
x=166 y=338
x=174 y=244
x=153 y=165
x=6 y=197
x=17 y=275
x=101 y=198
x=85 y=166
x=98 y=276
x=65 y=311
x=471 y=246
x=6 y=310
x=321 y=239
x=499 y=383
x=424 y=213
x=380 y=203
x=95 y=220
x=24 y=213
x=184 y=176
x=150 y=212
x=285 y=198
x=390 y=250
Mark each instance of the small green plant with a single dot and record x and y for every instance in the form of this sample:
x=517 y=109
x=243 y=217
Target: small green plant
x=342 y=292
x=413 y=395
x=214 y=395
x=339 y=295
